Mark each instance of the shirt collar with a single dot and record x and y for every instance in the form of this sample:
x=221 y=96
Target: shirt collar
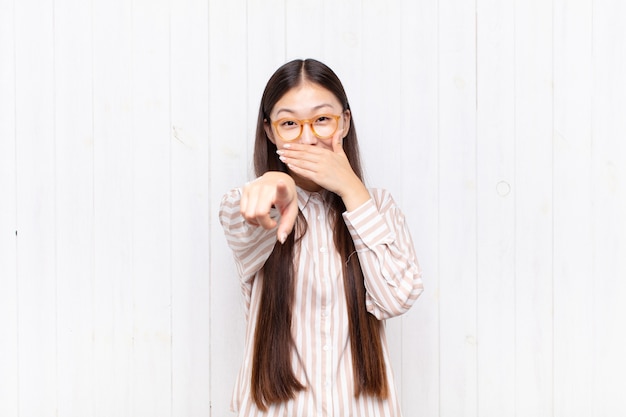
x=304 y=197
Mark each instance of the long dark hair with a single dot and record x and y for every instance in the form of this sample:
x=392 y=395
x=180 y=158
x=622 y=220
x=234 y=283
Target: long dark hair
x=273 y=379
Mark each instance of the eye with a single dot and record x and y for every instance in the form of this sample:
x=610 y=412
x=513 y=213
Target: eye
x=288 y=124
x=323 y=119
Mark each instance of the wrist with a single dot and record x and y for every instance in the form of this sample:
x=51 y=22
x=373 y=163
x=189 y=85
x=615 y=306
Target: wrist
x=354 y=196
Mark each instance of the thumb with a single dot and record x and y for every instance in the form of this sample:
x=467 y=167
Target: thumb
x=287 y=205
x=338 y=145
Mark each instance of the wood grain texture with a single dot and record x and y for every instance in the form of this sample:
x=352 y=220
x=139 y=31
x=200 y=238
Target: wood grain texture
x=9 y=346
x=497 y=126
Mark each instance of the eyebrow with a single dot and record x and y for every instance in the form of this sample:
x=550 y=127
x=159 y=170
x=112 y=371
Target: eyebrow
x=314 y=108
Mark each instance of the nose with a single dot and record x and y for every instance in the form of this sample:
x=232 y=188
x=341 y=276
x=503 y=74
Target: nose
x=308 y=137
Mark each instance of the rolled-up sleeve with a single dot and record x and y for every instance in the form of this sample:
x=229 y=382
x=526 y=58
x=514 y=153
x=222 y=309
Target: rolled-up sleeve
x=385 y=249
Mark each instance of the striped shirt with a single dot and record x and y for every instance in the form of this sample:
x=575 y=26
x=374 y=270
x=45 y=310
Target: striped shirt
x=322 y=360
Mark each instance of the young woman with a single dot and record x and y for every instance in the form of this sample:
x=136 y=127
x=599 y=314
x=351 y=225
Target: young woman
x=323 y=260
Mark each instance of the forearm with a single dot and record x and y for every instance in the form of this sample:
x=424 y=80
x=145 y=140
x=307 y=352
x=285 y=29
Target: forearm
x=251 y=245
x=385 y=249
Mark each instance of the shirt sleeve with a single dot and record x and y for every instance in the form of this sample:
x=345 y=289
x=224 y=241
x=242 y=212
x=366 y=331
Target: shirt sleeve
x=251 y=245
x=384 y=246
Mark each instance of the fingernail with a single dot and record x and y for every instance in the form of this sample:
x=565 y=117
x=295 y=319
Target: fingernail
x=287 y=145
x=282 y=237
x=280 y=152
x=282 y=158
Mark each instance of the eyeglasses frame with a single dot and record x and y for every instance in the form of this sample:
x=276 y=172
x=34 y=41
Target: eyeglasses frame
x=309 y=122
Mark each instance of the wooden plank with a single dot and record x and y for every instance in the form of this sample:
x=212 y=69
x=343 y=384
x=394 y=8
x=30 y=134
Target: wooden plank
x=495 y=193
x=8 y=217
x=265 y=40
x=457 y=209
x=419 y=166
x=151 y=209
x=302 y=24
x=379 y=120
x=379 y=124
x=73 y=132
x=534 y=210
x=608 y=196
x=229 y=166
x=573 y=311
x=113 y=191
x=190 y=207
x=342 y=39
x=36 y=208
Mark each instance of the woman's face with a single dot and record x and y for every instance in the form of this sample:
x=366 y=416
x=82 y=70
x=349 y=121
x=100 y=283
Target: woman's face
x=312 y=103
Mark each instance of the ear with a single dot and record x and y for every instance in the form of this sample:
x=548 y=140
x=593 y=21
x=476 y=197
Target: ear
x=346 y=123
x=268 y=131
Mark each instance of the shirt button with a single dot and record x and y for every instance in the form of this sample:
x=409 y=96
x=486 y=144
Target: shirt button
x=327 y=383
x=323 y=249
x=326 y=347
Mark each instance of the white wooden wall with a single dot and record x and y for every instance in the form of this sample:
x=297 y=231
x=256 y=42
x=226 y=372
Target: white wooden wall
x=499 y=126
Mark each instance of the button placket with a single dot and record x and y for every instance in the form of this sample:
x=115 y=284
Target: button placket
x=325 y=257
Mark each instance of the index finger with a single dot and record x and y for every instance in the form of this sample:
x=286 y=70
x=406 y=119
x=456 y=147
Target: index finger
x=288 y=208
